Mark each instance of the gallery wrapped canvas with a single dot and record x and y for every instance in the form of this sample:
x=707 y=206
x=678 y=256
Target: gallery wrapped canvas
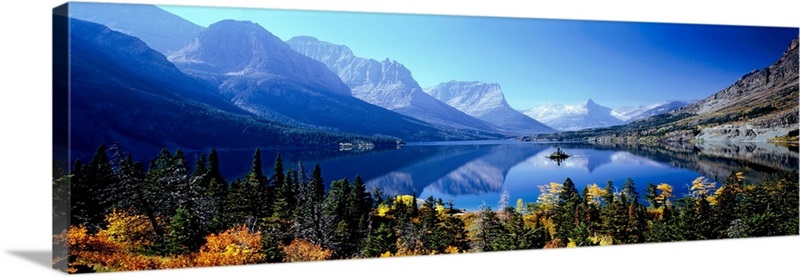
x=187 y=136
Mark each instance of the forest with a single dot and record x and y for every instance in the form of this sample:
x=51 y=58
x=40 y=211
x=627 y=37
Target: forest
x=125 y=216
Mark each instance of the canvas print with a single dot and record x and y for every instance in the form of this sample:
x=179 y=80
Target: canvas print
x=191 y=136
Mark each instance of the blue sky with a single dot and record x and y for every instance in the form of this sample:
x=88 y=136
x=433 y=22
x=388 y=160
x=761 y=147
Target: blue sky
x=538 y=61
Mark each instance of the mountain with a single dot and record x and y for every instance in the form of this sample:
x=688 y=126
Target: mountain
x=574 y=117
x=762 y=105
x=161 y=30
x=628 y=114
x=486 y=102
x=256 y=71
x=122 y=91
x=388 y=84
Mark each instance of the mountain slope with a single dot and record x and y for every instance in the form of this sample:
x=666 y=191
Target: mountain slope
x=387 y=83
x=761 y=106
x=161 y=30
x=123 y=91
x=574 y=117
x=486 y=102
x=258 y=72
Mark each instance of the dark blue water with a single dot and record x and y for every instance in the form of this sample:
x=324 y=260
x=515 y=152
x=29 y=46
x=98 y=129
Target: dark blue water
x=472 y=174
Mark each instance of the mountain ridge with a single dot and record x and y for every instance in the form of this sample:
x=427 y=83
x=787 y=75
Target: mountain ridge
x=388 y=84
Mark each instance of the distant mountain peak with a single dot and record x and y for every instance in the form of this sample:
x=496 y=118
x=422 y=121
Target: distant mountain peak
x=486 y=101
x=574 y=117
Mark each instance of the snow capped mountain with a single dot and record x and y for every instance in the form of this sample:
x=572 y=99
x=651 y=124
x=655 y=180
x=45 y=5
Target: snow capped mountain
x=386 y=83
x=629 y=114
x=574 y=117
x=486 y=102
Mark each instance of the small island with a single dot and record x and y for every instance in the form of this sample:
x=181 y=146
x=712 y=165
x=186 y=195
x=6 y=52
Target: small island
x=558 y=154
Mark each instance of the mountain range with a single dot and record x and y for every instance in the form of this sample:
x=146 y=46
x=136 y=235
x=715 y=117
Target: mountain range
x=574 y=117
x=123 y=91
x=387 y=84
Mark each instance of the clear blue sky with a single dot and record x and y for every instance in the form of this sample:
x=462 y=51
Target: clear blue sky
x=538 y=61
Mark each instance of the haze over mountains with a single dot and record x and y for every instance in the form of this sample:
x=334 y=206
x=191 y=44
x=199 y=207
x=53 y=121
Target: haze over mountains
x=162 y=31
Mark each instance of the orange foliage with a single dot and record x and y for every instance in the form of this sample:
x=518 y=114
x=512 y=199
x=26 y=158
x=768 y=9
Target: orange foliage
x=555 y=243
x=301 y=250
x=235 y=246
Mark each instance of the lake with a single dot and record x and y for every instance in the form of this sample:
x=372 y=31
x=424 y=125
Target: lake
x=476 y=173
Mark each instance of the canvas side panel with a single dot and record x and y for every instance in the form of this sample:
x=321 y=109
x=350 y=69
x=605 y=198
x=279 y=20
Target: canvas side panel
x=61 y=150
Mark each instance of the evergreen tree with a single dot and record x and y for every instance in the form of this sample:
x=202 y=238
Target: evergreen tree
x=380 y=241
x=184 y=234
x=487 y=230
x=567 y=212
x=91 y=192
x=430 y=224
x=455 y=230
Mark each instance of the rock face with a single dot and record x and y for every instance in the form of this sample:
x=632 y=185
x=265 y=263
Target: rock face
x=488 y=103
x=759 y=106
x=386 y=83
x=161 y=30
x=259 y=73
x=574 y=117
x=759 y=87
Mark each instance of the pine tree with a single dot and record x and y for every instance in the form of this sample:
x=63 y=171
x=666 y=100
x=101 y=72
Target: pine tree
x=91 y=193
x=380 y=241
x=568 y=212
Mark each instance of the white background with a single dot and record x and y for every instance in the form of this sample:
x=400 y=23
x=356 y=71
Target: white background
x=25 y=160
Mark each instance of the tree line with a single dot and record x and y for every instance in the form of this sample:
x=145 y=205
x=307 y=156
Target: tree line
x=125 y=217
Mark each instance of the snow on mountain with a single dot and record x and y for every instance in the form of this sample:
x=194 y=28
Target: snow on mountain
x=387 y=84
x=486 y=102
x=574 y=117
x=629 y=113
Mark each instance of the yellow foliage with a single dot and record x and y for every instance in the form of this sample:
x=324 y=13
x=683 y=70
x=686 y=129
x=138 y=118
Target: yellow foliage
x=665 y=193
x=235 y=246
x=594 y=194
x=386 y=254
x=740 y=176
x=548 y=195
x=382 y=209
x=571 y=243
x=406 y=199
x=300 y=250
x=702 y=187
x=451 y=250
x=602 y=240
x=130 y=232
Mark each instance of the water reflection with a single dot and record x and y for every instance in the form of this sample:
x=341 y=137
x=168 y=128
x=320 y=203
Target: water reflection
x=471 y=174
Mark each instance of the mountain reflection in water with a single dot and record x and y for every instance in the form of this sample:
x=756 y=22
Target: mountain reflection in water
x=472 y=174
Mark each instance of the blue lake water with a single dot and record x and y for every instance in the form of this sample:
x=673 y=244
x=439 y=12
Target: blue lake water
x=472 y=173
